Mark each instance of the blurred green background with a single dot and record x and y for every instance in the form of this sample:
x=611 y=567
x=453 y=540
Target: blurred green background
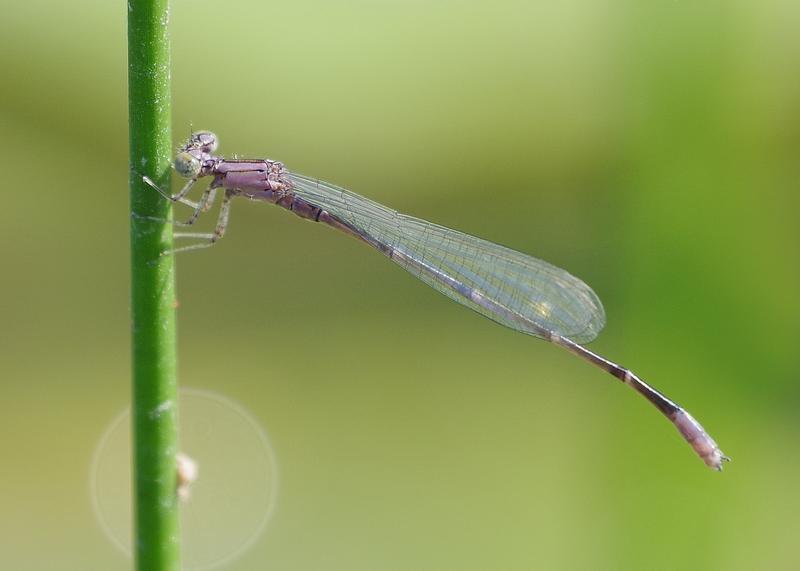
x=649 y=148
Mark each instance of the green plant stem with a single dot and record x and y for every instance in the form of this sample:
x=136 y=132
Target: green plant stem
x=152 y=291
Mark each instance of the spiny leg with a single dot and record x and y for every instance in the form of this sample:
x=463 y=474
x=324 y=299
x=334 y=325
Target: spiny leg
x=203 y=205
x=180 y=196
x=210 y=238
x=157 y=219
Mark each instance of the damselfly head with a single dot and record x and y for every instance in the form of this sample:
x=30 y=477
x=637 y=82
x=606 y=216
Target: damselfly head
x=187 y=165
x=205 y=141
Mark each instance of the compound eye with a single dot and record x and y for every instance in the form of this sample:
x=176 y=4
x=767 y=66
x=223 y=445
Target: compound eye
x=187 y=165
x=206 y=141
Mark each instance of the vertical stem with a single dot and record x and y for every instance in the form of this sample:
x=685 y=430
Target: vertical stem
x=152 y=291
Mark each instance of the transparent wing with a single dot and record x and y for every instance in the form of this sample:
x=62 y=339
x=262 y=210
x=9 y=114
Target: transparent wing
x=512 y=288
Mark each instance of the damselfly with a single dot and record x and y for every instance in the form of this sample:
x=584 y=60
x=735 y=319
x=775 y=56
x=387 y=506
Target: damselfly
x=511 y=288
